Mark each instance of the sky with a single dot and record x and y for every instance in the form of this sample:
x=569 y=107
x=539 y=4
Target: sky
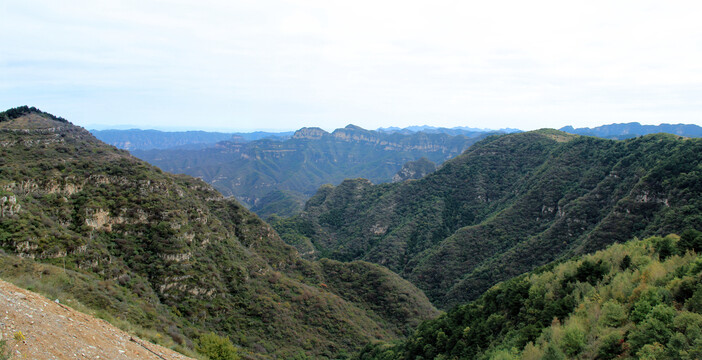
x=280 y=65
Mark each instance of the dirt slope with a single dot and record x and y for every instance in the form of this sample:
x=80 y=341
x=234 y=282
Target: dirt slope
x=54 y=331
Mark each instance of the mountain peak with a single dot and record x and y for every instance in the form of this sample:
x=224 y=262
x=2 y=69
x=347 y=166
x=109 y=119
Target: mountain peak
x=309 y=133
x=354 y=127
x=22 y=111
x=557 y=135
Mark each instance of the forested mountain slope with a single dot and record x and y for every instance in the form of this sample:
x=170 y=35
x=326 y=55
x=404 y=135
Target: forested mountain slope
x=507 y=205
x=169 y=254
x=276 y=177
x=641 y=300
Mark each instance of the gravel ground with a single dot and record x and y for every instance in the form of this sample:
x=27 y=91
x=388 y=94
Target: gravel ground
x=37 y=328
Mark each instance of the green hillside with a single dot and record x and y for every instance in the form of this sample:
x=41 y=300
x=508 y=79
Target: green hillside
x=276 y=177
x=172 y=257
x=641 y=299
x=507 y=205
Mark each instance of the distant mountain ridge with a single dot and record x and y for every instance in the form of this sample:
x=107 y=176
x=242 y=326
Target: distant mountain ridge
x=294 y=169
x=634 y=129
x=458 y=130
x=149 y=139
x=137 y=139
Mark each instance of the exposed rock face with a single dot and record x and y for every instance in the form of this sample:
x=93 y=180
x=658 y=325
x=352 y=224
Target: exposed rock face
x=414 y=170
x=312 y=133
x=98 y=219
x=9 y=206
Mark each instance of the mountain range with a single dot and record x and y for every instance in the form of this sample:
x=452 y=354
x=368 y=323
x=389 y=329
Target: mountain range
x=459 y=130
x=171 y=258
x=276 y=177
x=508 y=204
x=634 y=129
x=523 y=238
x=137 y=139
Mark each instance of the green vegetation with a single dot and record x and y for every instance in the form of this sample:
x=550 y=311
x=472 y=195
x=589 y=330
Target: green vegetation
x=509 y=204
x=5 y=353
x=143 y=316
x=14 y=113
x=216 y=347
x=170 y=258
x=600 y=306
x=276 y=177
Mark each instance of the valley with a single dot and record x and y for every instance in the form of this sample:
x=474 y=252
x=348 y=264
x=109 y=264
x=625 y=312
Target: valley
x=171 y=255
x=276 y=177
x=541 y=244
x=509 y=204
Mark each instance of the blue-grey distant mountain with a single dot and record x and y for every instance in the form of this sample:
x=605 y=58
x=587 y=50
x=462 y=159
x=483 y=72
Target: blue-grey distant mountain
x=458 y=130
x=634 y=129
x=278 y=176
x=137 y=139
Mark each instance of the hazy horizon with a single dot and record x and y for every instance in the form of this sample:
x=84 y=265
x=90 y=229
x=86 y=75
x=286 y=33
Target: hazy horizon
x=100 y=127
x=281 y=65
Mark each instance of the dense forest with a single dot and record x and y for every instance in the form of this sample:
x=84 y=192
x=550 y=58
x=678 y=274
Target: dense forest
x=507 y=205
x=641 y=299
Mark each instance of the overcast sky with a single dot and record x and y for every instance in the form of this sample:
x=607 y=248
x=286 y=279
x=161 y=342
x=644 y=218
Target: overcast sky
x=245 y=65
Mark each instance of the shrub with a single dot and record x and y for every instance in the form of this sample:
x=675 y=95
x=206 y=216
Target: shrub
x=5 y=353
x=216 y=347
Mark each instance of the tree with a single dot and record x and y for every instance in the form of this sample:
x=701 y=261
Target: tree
x=613 y=313
x=665 y=247
x=690 y=240
x=573 y=341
